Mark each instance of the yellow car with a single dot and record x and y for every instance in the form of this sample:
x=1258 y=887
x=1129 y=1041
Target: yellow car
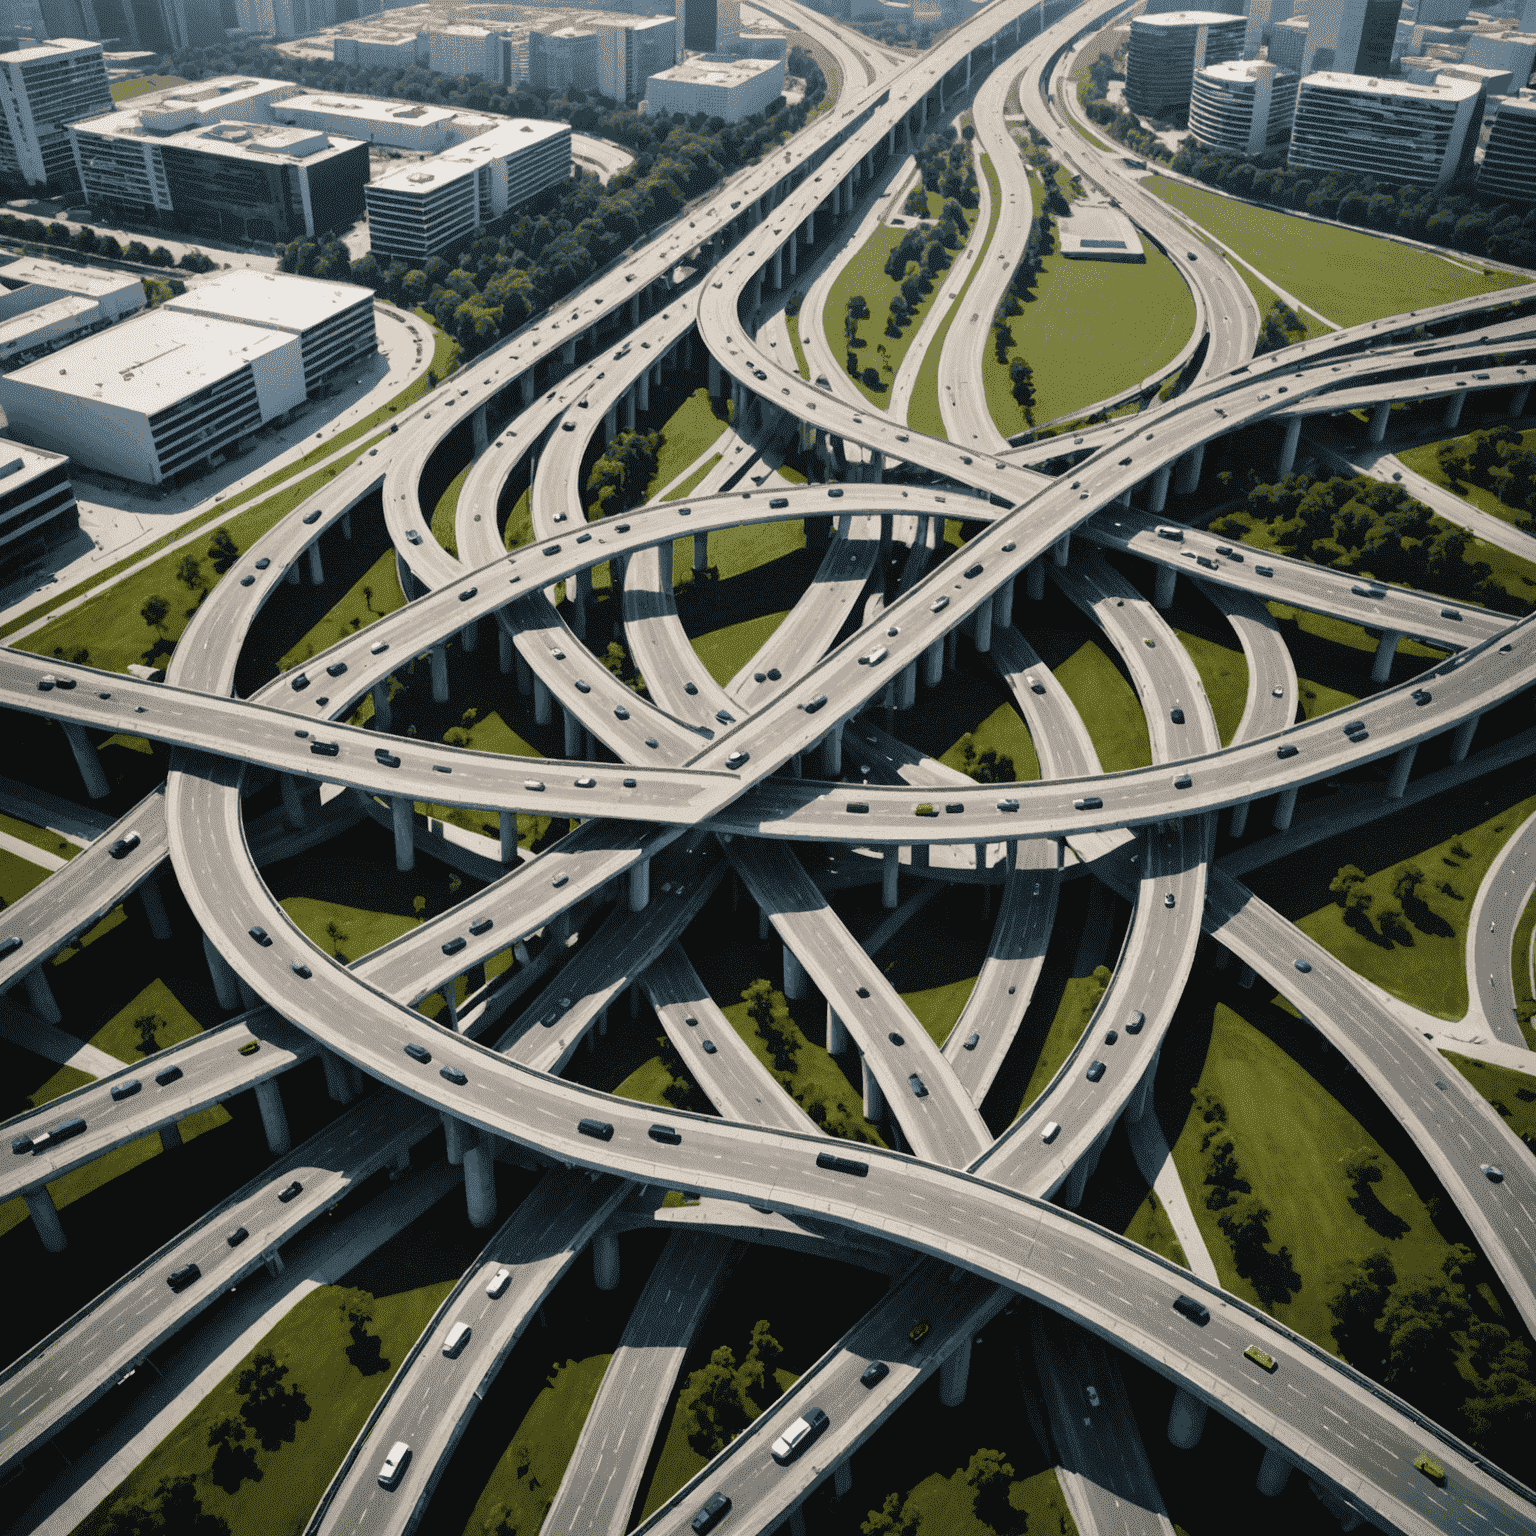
x=919 y=1333
x=1261 y=1358
x=1430 y=1468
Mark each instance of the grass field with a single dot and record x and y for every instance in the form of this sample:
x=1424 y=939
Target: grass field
x=1510 y=1092
x=688 y=433
x=39 y=837
x=126 y=90
x=1003 y=732
x=1425 y=460
x=725 y=652
x=1151 y=1228
x=1265 y=297
x=1345 y=274
x=445 y=513
x=1520 y=958
x=937 y=1008
x=1223 y=670
x=370 y=597
x=1092 y=329
x=1109 y=707
x=1078 y=1000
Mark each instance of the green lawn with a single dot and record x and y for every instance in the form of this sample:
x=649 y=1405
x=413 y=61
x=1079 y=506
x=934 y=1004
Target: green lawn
x=688 y=486
x=1291 y=1136
x=937 y=1008
x=725 y=652
x=1079 y=998
x=1425 y=459
x=1092 y=329
x=945 y=1506
x=1151 y=1228
x=923 y=412
x=792 y=322
x=1109 y=706
x=39 y=837
x=375 y=593
x=142 y=85
x=1223 y=670
x=1510 y=1092
x=1003 y=732
x=1346 y=274
x=1430 y=971
x=689 y=432
x=1520 y=958
x=445 y=513
x=1266 y=297
x=18 y=876
x=527 y=1476
x=358 y=931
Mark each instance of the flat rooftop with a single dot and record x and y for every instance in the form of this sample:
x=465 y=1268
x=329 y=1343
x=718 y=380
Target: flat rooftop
x=93 y=282
x=15 y=330
x=49 y=50
x=20 y=462
x=1186 y=19
x=707 y=69
x=1095 y=231
x=279 y=301
x=369 y=109
x=150 y=363
x=1444 y=89
x=515 y=134
x=236 y=139
x=1245 y=70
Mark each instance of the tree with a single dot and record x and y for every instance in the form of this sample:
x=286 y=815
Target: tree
x=190 y=573
x=271 y=1409
x=223 y=551
x=990 y=1477
x=916 y=205
x=1357 y=1305
x=1282 y=325
x=712 y=1401
x=1021 y=378
x=1348 y=877
x=147 y=1026
x=893 y=1518
x=154 y=612
x=856 y=310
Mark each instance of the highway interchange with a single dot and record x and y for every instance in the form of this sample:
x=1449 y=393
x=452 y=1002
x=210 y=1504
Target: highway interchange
x=954 y=1198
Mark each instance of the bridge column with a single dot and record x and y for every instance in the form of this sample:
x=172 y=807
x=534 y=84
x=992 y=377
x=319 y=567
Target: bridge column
x=1453 y=408
x=482 y=433
x=274 y=1119
x=982 y=631
x=639 y=885
x=1274 y=1472
x=508 y=838
x=293 y=799
x=890 y=873
x=1034 y=580
x=797 y=984
x=1189 y=470
x=456 y=1136
x=1186 y=1420
x=1076 y=1184
x=543 y=703
x=170 y=1135
x=777 y=268
x=1378 y=427
x=1061 y=550
x=223 y=974
x=700 y=553
x=793 y=248
x=605 y=1260
x=402 y=812
x=469 y=635
x=154 y=908
x=1461 y=742
x=1285 y=808
x=40 y=995
x=1402 y=766
x=643 y=390
x=610 y=424
x=506 y=654
x=527 y=387
x=1386 y=648
x=1002 y=605
x=574 y=734
x=629 y=410
x=439 y=662
x=383 y=711
x=1239 y=819
x=568 y=352
x=953 y=1375
x=810 y=227
x=1518 y=399
x=291 y=575
x=634 y=310
x=86 y=760
x=479 y=1182
x=874 y=1099
x=842 y=1478
x=1142 y=1097
x=933 y=664
x=316 y=570
x=714 y=377
x=1167 y=583
x=338 y=1081
x=45 y=1218
x=837 y=1033
x=1288 y=448
x=832 y=752
x=1157 y=494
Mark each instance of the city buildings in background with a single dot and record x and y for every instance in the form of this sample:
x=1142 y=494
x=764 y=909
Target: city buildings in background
x=708 y=26
x=728 y=88
x=1166 y=50
x=1509 y=161
x=1242 y=105
x=37 y=507
x=43 y=89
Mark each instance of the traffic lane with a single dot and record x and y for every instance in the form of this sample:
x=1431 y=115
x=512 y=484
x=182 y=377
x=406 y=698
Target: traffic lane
x=1492 y=962
x=658 y=646
x=1060 y=735
x=941 y=1123
x=1273 y=689
x=433 y=1394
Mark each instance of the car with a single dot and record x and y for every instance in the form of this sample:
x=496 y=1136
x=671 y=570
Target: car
x=1095 y=1071
x=121 y=1091
x=1195 y=1311
x=1111 y=1036
x=1191 y=255
x=261 y=936
x=1277 y=692
x=834 y=491
x=725 y=717
x=455 y=944
x=1263 y=570
x=10 y=944
x=1288 y=750
x=336 y=668
x=857 y=808
x=378 y=647
x=1177 y=716
x=237 y=1237
x=393 y=1466
x=168 y=1075
x=778 y=501
x=938 y=605
x=1260 y=1357
x=583 y=686
x=1088 y=803
x=414 y=535
x=124 y=845
x=918 y=1332
x=971 y=1041
x=418 y=1053
x=713 y=1510
x=973 y=571
x=874 y=658
x=1033 y=683
x=1302 y=965
x=468 y=593
x=300 y=683
x=1352 y=726
x=1421 y=696
x=453 y=1075
x=1183 y=781
x=458 y=1337
x=894 y=1038
x=498 y=1284
x=874 y=1373
x=301 y=970
x=819 y=702
x=533 y=785
x=598 y=1130
x=263 y=563
x=290 y=1192
x=1169 y=900
x=1134 y=1023
x=482 y=925
x=325 y=748
x=1092 y=1394
x=737 y=758
x=1492 y=1174
x=1050 y=1131
x=180 y=1279
x=1008 y=805
x=798 y=1436
x=917 y=1085
x=1430 y=1468
x=250 y=1047
x=709 y=1047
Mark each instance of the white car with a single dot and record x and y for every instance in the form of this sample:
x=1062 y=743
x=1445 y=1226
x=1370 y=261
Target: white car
x=394 y=1464
x=499 y=1283
x=1093 y=1396
x=798 y=1436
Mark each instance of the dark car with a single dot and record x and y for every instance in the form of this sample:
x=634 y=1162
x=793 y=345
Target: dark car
x=167 y=1075
x=482 y=925
x=709 y=1047
x=599 y=1130
x=303 y=972
x=290 y=1192
x=453 y=1075
x=325 y=748
x=1177 y=716
x=1286 y=751
x=386 y=758
x=1421 y=696
x=418 y=1053
x=1195 y=1311
x=713 y=1511
x=1095 y=1071
x=665 y=1133
x=237 y=1237
x=261 y=936
x=9 y=946
x=1088 y=803
x=1134 y=1023
x=917 y=1085
x=779 y=501
x=121 y=1091
x=124 y=845
x=336 y=668
x=180 y=1279
x=455 y=944
x=874 y=1373
x=971 y=1041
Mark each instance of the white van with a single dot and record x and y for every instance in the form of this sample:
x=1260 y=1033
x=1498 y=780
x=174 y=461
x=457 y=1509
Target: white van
x=1051 y=1131
x=458 y=1337
x=394 y=1464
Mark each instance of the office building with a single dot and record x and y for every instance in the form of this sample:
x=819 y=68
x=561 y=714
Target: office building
x=432 y=207
x=1491 y=82
x=1514 y=51
x=561 y=57
x=333 y=321
x=768 y=45
x=1350 y=37
x=707 y=26
x=284 y=18
x=629 y=53
x=1263 y=17
x=1508 y=171
x=1242 y=106
x=1166 y=50
x=464 y=50
x=1400 y=132
x=157 y=395
x=45 y=305
x=718 y=87
x=182 y=164
x=37 y=507
x=1165 y=7
x=396 y=50
x=1288 y=43
x=43 y=90
x=412 y=125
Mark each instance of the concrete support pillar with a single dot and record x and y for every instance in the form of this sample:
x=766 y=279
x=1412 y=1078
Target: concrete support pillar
x=1386 y=649
x=1285 y=808
x=507 y=657
x=714 y=377
x=1061 y=550
x=527 y=387
x=983 y=628
x=402 y=812
x=1143 y=1094
x=450 y=997
x=953 y=1375
x=456 y=1136
x=40 y=995
x=1157 y=494
x=568 y=352
x=293 y=799
x=906 y=687
x=700 y=553
x=1189 y=470
x=543 y=703
x=1002 y=605
x=469 y=635
x=481 y=431
x=170 y=1135
x=383 y=711
x=1274 y=1472
x=952 y=649
x=634 y=310
x=1402 y=766
x=338 y=1081
x=439 y=662
x=890 y=873
x=640 y=885
x=86 y=760
x=810 y=227
x=933 y=664
x=1239 y=819
x=1461 y=742
x=832 y=752
x=316 y=570
x=643 y=391
x=1034 y=580
x=508 y=838
x=574 y=734
x=1518 y=399
x=776 y=268
x=154 y=908
x=248 y=998
x=797 y=984
x=1186 y=1420
x=794 y=264
x=223 y=974
x=291 y=575
x=1076 y=1184
x=610 y=424
x=1245 y=978
x=1378 y=427
x=274 y=1119
x=479 y=1182
x=842 y=1478
x=1453 y=408
x=837 y=1033
x=629 y=410
x=45 y=1218
x=605 y=1260
x=1167 y=582
x=874 y=1099
x=797 y=1525
x=1288 y=448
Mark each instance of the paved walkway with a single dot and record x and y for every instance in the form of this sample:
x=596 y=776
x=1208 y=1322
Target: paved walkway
x=1155 y=1160
x=31 y=852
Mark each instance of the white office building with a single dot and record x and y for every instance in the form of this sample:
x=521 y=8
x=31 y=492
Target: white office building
x=1350 y=37
x=46 y=305
x=1508 y=171
x=1401 y=132
x=43 y=89
x=1165 y=51
x=630 y=52
x=37 y=507
x=393 y=50
x=412 y=125
x=1242 y=105
x=718 y=87
x=464 y=50
x=429 y=208
x=156 y=395
x=1514 y=51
